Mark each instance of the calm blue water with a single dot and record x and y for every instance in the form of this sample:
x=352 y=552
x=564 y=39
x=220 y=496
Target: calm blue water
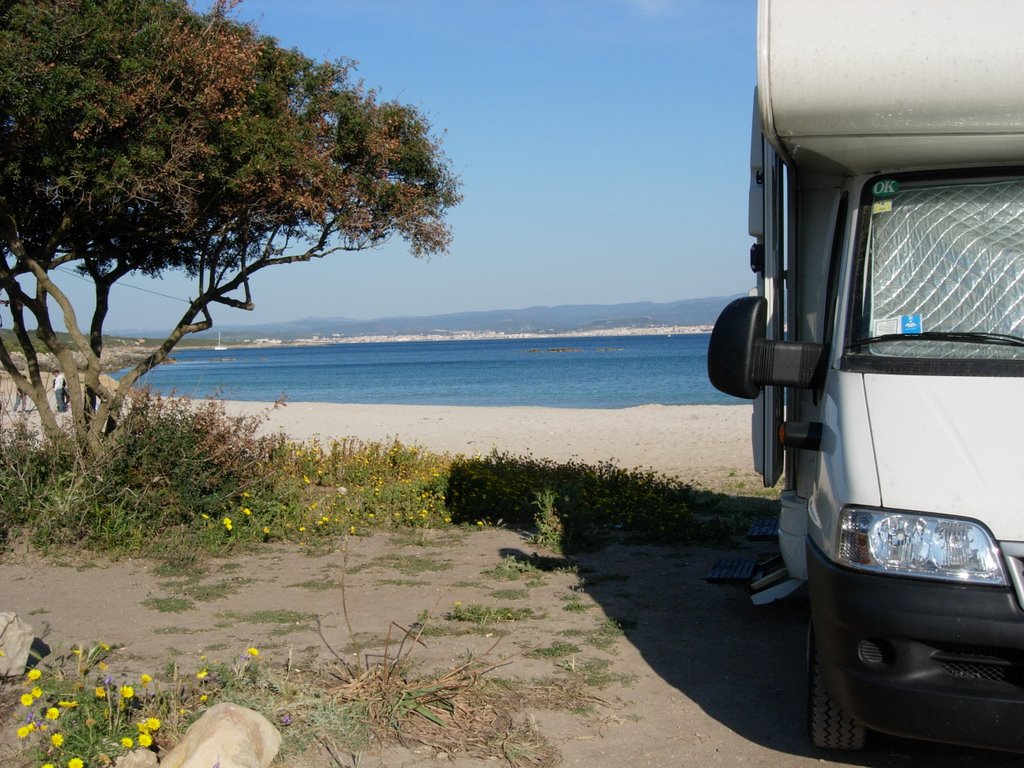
x=600 y=372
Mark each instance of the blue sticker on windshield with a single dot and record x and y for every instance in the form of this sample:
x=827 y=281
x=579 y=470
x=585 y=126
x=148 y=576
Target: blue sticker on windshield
x=910 y=324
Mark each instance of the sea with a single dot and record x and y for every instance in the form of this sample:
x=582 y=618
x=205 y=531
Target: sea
x=569 y=372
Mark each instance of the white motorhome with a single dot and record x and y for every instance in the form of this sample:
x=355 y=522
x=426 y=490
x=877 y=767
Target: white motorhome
x=884 y=351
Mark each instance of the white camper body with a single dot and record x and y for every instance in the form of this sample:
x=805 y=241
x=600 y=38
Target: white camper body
x=886 y=339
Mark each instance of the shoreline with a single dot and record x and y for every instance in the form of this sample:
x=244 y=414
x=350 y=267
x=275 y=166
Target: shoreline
x=705 y=444
x=317 y=340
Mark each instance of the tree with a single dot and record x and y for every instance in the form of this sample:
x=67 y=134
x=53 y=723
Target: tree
x=142 y=137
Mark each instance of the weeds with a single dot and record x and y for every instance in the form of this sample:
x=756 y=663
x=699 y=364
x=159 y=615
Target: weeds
x=182 y=478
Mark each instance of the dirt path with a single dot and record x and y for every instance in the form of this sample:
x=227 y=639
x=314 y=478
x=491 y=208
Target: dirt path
x=700 y=677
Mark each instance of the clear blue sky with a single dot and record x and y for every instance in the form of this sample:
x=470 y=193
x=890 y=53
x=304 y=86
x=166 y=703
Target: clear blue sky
x=602 y=146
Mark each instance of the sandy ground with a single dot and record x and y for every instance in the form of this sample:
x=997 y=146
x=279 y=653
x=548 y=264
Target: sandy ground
x=701 y=677
x=704 y=443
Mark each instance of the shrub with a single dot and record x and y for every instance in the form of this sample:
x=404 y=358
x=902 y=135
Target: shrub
x=501 y=488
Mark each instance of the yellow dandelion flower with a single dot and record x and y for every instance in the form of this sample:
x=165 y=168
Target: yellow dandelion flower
x=127 y=743
x=101 y=693
x=76 y=762
x=145 y=679
x=127 y=692
x=352 y=530
x=37 y=692
x=246 y=511
x=67 y=704
x=24 y=732
x=201 y=674
x=103 y=666
x=253 y=651
x=228 y=525
x=204 y=697
x=48 y=765
x=27 y=700
x=34 y=674
x=145 y=740
x=52 y=713
x=153 y=723
x=266 y=529
x=57 y=740
x=76 y=651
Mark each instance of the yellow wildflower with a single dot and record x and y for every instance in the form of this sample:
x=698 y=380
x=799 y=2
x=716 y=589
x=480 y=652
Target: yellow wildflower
x=101 y=692
x=145 y=679
x=127 y=743
x=57 y=740
x=153 y=723
x=27 y=700
x=75 y=762
x=24 y=731
x=246 y=511
x=34 y=674
x=52 y=713
x=201 y=674
x=252 y=651
x=145 y=740
x=127 y=692
x=228 y=525
x=37 y=692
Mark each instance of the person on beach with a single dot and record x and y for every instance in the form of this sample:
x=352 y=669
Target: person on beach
x=60 y=391
x=20 y=402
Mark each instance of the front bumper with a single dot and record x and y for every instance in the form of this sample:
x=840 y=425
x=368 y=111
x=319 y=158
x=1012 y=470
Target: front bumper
x=921 y=659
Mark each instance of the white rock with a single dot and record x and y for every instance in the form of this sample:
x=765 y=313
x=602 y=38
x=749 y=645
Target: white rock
x=227 y=736
x=15 y=643
x=138 y=758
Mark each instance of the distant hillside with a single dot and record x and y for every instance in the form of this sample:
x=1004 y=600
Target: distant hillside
x=541 y=320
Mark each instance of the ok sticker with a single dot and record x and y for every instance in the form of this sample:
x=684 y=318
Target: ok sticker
x=885 y=188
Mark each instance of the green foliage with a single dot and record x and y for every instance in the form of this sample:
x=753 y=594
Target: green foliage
x=182 y=477
x=141 y=136
x=575 y=500
x=30 y=472
x=73 y=713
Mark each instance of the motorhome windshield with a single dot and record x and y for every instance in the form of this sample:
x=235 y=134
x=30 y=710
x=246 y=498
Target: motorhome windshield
x=941 y=272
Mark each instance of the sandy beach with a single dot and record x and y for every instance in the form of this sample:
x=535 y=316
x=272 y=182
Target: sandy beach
x=701 y=443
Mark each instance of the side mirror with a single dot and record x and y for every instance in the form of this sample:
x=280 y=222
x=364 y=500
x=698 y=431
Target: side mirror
x=741 y=360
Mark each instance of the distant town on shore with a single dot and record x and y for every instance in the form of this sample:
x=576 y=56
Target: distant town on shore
x=576 y=320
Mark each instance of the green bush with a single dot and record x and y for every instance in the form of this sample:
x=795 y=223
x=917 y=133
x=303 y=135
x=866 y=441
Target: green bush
x=182 y=476
x=501 y=488
x=31 y=471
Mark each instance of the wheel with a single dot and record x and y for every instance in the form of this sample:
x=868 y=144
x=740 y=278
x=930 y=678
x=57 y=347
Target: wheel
x=827 y=724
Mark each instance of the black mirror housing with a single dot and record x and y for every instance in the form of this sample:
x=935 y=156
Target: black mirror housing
x=731 y=349
x=741 y=360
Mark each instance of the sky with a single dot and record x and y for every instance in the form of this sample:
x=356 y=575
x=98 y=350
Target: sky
x=602 y=146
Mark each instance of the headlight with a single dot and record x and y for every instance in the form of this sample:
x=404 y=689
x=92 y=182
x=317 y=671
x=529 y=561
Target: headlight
x=910 y=544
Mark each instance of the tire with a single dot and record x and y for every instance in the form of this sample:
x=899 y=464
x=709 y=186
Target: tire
x=829 y=727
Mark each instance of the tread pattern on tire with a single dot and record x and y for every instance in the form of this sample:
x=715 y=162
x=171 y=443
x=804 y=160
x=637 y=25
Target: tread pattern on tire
x=829 y=726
